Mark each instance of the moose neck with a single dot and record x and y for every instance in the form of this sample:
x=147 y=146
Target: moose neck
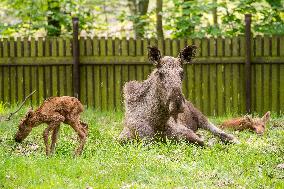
x=158 y=113
x=34 y=120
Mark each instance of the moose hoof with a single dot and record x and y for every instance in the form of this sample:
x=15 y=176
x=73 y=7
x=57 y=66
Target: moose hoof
x=227 y=138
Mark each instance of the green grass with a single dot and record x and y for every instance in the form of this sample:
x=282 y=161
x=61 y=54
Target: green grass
x=107 y=164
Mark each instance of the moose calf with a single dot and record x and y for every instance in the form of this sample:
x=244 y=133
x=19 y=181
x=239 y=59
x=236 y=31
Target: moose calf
x=54 y=111
x=247 y=122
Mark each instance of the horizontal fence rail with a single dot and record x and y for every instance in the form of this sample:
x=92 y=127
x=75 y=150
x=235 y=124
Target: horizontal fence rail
x=214 y=82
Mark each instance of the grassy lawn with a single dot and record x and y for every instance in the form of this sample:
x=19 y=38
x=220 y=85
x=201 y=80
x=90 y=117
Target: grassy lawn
x=106 y=164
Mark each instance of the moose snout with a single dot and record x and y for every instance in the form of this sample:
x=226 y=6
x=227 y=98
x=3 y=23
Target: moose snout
x=177 y=106
x=17 y=139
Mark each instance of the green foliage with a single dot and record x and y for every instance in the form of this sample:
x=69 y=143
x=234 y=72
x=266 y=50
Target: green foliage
x=107 y=164
x=2 y=108
x=187 y=18
x=32 y=15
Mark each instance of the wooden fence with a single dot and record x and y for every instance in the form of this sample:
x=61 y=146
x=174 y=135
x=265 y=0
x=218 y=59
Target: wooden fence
x=215 y=82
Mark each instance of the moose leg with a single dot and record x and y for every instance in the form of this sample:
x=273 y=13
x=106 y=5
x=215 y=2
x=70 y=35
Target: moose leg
x=125 y=135
x=225 y=137
x=81 y=133
x=85 y=127
x=180 y=132
x=144 y=132
x=54 y=138
x=46 y=132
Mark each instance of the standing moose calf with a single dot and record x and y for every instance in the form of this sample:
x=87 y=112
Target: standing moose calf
x=53 y=111
x=156 y=107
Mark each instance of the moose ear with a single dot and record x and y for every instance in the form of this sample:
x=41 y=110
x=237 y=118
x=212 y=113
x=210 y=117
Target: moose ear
x=154 y=56
x=30 y=112
x=248 y=118
x=266 y=117
x=187 y=54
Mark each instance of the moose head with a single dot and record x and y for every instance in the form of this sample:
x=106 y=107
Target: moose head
x=168 y=77
x=25 y=127
x=258 y=124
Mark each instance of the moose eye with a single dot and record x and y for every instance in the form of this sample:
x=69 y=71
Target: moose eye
x=161 y=75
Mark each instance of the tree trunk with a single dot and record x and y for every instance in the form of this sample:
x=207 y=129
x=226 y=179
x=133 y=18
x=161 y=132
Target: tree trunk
x=214 y=12
x=159 y=21
x=138 y=8
x=54 y=28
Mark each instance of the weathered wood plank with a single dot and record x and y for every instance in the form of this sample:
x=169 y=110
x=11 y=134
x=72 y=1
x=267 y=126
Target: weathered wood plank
x=212 y=89
x=110 y=86
x=104 y=92
x=175 y=47
x=89 y=47
x=253 y=88
x=242 y=95
x=54 y=47
x=204 y=50
x=117 y=47
x=198 y=43
x=90 y=88
x=235 y=88
x=124 y=47
x=47 y=47
x=205 y=89
x=168 y=51
x=190 y=82
x=281 y=88
x=220 y=89
x=198 y=86
x=96 y=45
x=6 y=84
x=266 y=88
x=5 y=47
x=83 y=81
x=110 y=50
x=118 y=87
x=258 y=88
x=274 y=88
x=12 y=47
x=228 y=85
x=97 y=94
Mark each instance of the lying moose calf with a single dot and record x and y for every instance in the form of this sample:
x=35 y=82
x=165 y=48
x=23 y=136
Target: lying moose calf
x=54 y=111
x=247 y=122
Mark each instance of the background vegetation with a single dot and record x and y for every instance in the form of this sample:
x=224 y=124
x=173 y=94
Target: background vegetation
x=140 y=18
x=107 y=164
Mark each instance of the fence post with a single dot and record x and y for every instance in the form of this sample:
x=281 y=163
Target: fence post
x=248 y=62
x=76 y=68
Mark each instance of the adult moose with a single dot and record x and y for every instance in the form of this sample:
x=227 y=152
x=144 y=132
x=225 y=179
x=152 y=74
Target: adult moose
x=156 y=108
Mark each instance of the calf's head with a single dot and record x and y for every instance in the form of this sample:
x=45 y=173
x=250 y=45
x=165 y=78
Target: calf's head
x=168 y=77
x=25 y=127
x=258 y=124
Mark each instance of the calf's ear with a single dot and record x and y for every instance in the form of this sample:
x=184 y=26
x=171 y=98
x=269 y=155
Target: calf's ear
x=187 y=54
x=29 y=113
x=154 y=56
x=266 y=117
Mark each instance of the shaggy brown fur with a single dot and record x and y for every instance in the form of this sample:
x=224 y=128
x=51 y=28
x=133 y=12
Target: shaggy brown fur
x=189 y=122
x=155 y=106
x=247 y=122
x=54 y=111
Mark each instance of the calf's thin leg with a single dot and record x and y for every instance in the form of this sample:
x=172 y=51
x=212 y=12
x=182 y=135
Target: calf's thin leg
x=84 y=126
x=54 y=138
x=81 y=133
x=46 y=132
